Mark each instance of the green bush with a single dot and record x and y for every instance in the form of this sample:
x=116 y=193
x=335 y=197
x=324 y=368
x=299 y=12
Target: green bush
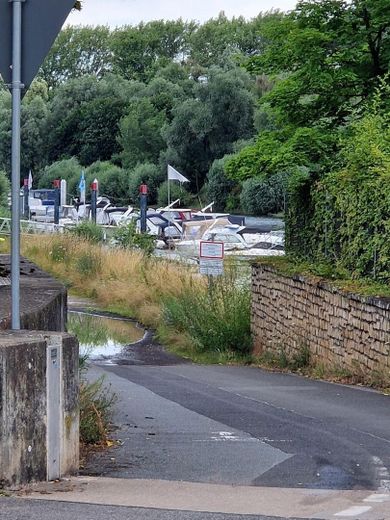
x=4 y=190
x=68 y=169
x=343 y=217
x=113 y=181
x=88 y=231
x=148 y=174
x=219 y=187
x=128 y=238
x=216 y=318
x=262 y=196
x=96 y=407
x=88 y=264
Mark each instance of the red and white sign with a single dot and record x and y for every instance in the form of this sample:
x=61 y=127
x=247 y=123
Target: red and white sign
x=212 y=250
x=211 y=256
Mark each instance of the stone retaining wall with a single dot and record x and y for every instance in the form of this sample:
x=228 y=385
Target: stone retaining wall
x=340 y=329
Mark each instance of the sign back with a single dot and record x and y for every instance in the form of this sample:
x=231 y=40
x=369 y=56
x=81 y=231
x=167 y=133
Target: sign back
x=41 y=22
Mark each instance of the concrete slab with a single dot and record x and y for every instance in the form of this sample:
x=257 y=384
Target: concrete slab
x=190 y=496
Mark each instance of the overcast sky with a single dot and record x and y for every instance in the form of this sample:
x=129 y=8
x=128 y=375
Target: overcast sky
x=122 y=12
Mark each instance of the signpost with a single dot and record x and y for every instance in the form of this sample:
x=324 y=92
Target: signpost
x=211 y=255
x=27 y=31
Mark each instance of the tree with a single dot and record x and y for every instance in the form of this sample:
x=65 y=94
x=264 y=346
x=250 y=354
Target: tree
x=220 y=38
x=140 y=129
x=5 y=131
x=204 y=129
x=326 y=58
x=140 y=134
x=138 y=52
x=33 y=128
x=78 y=51
x=84 y=118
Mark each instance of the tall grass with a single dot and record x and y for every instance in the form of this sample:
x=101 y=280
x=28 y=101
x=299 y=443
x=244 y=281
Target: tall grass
x=215 y=315
x=118 y=279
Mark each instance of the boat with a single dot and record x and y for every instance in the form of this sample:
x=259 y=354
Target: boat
x=233 y=236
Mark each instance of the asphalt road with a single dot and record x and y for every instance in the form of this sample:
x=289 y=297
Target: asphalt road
x=207 y=442
x=244 y=426
x=21 y=509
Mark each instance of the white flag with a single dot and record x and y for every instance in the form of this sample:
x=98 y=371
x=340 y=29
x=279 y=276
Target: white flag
x=30 y=180
x=174 y=175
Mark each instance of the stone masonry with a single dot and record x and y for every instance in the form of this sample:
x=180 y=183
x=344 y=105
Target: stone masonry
x=340 y=329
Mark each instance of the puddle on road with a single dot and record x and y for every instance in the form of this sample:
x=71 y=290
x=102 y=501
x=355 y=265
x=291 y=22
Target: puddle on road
x=101 y=337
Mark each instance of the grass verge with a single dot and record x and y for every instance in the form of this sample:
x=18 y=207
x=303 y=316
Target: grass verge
x=302 y=363
x=208 y=318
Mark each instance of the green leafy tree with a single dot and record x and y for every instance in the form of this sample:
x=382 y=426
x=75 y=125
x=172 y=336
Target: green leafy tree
x=78 y=51
x=113 y=181
x=220 y=38
x=205 y=128
x=4 y=190
x=140 y=133
x=326 y=57
x=139 y=51
x=5 y=131
x=149 y=174
x=84 y=118
x=33 y=128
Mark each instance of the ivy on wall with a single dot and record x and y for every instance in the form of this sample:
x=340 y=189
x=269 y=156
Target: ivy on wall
x=344 y=218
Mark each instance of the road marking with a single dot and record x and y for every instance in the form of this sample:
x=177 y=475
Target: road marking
x=229 y=436
x=382 y=474
x=354 y=510
x=378 y=498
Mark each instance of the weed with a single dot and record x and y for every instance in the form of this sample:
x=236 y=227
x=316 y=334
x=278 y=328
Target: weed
x=88 y=264
x=88 y=231
x=59 y=253
x=216 y=317
x=128 y=238
x=301 y=358
x=96 y=406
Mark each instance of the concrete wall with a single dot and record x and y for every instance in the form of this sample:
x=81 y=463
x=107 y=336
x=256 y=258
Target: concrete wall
x=35 y=443
x=43 y=300
x=39 y=382
x=340 y=329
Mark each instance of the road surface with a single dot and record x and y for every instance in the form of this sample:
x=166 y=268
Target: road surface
x=226 y=442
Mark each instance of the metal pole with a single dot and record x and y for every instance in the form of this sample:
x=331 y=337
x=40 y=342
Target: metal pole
x=143 y=207
x=57 y=195
x=16 y=88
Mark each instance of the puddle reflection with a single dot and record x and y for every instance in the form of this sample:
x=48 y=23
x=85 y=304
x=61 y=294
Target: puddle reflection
x=102 y=337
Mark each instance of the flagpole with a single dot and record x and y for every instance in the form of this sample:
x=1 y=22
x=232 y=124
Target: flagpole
x=169 y=189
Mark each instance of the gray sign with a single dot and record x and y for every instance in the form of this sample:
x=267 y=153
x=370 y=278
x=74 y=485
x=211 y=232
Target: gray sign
x=41 y=22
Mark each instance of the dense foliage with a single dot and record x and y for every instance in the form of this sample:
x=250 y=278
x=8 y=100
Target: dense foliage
x=281 y=111
x=121 y=104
